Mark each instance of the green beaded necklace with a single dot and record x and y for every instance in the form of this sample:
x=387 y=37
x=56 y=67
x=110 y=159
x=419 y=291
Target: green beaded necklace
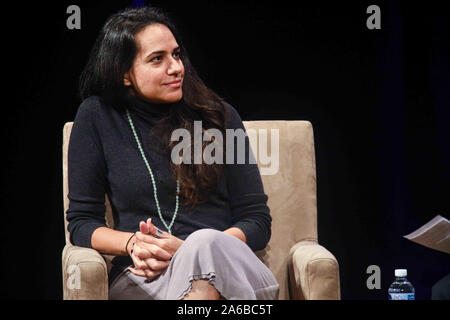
x=155 y=192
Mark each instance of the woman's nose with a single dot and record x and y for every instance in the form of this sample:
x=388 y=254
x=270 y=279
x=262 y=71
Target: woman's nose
x=176 y=66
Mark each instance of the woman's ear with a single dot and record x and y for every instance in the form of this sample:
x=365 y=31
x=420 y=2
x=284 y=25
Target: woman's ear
x=126 y=80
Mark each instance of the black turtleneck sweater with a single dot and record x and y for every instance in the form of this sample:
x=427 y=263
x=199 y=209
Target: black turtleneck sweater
x=103 y=158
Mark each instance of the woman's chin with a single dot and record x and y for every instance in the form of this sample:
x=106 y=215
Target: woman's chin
x=173 y=98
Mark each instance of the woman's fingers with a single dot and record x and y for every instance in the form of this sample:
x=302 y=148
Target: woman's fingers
x=158 y=252
x=145 y=273
x=149 y=268
x=138 y=263
x=146 y=238
x=159 y=241
x=141 y=253
x=137 y=272
x=154 y=246
x=151 y=251
x=147 y=227
x=157 y=265
x=143 y=227
x=151 y=227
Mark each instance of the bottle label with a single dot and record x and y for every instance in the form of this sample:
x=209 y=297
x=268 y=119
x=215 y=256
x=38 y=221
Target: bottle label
x=401 y=296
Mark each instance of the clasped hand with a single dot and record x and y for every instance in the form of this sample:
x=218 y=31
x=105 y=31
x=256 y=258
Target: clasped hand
x=151 y=254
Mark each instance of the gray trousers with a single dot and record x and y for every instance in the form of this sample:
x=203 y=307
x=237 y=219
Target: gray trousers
x=225 y=261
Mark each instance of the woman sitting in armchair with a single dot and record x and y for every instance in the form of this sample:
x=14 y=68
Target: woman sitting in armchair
x=183 y=230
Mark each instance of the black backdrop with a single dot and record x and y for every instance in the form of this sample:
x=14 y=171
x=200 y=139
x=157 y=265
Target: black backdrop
x=378 y=101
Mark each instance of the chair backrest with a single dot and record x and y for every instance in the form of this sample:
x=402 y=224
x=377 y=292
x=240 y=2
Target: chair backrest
x=65 y=147
x=291 y=189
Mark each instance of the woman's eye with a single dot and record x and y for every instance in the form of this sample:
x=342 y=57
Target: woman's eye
x=156 y=59
x=176 y=55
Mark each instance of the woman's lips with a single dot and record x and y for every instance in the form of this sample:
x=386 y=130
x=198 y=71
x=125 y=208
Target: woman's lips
x=174 y=84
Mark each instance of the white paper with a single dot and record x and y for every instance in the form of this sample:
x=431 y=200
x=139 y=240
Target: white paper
x=434 y=234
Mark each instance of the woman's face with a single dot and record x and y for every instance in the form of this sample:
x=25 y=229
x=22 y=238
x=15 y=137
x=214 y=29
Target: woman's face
x=157 y=72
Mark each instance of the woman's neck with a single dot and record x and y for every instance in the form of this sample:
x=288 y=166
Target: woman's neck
x=148 y=111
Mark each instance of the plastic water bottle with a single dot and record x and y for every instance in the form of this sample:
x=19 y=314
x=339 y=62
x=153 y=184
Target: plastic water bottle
x=401 y=288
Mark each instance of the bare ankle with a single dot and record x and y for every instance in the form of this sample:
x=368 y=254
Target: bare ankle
x=202 y=290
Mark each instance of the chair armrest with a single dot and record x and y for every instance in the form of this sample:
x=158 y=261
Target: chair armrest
x=313 y=272
x=85 y=274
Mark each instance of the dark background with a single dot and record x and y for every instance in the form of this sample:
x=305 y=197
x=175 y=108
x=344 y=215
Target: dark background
x=378 y=101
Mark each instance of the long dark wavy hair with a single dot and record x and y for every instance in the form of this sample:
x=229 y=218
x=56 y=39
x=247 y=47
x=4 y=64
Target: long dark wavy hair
x=112 y=56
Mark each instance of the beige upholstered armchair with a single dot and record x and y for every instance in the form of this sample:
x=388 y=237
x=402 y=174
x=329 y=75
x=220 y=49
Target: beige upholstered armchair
x=303 y=268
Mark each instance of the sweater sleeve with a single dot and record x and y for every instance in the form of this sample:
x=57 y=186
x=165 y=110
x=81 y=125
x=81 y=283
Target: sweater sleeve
x=86 y=176
x=248 y=201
